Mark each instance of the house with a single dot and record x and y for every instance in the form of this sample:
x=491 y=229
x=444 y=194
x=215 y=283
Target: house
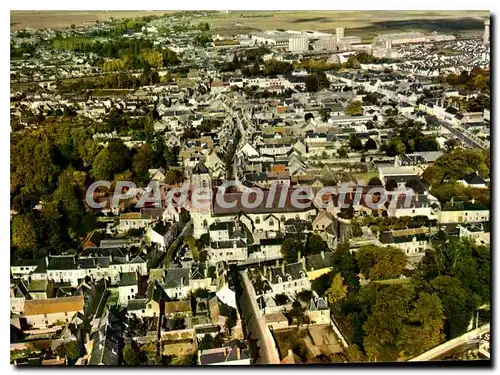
x=152 y=305
x=318 y=310
x=40 y=289
x=411 y=241
x=128 y=287
x=177 y=282
x=18 y=295
x=43 y=313
x=24 y=267
x=177 y=309
x=276 y=320
x=287 y=279
x=320 y=264
x=463 y=211
x=224 y=356
x=224 y=287
x=323 y=221
x=107 y=339
x=475 y=232
x=473 y=180
x=162 y=234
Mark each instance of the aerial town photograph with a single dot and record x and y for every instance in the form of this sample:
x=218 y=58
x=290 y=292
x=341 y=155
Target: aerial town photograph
x=227 y=187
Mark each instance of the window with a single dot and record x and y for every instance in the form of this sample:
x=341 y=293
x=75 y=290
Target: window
x=143 y=311
x=150 y=306
x=131 y=290
x=128 y=297
x=271 y=223
x=257 y=220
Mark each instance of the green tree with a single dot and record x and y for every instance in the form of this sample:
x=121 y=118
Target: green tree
x=23 y=232
x=354 y=109
x=290 y=248
x=142 y=161
x=381 y=262
x=343 y=152
x=402 y=324
x=370 y=144
x=69 y=350
x=337 y=290
x=131 y=356
x=315 y=245
x=457 y=304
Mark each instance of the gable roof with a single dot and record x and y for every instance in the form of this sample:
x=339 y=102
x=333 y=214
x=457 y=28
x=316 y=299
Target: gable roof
x=53 y=305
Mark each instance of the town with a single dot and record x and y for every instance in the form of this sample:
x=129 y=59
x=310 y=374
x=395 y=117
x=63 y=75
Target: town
x=346 y=205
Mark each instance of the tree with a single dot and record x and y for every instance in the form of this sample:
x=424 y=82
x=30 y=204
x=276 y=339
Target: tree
x=131 y=356
x=458 y=306
x=305 y=296
x=343 y=152
x=69 y=350
x=337 y=290
x=315 y=245
x=355 y=143
x=375 y=181
x=113 y=159
x=354 y=109
x=231 y=320
x=402 y=324
x=381 y=262
x=173 y=176
x=391 y=185
x=370 y=144
x=143 y=161
x=23 y=232
x=290 y=249
x=190 y=241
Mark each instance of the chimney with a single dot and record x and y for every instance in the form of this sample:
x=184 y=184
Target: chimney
x=283 y=268
x=46 y=261
x=127 y=258
x=182 y=280
x=322 y=254
x=205 y=272
x=238 y=353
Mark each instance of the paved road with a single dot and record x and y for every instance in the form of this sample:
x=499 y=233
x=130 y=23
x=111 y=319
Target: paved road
x=255 y=325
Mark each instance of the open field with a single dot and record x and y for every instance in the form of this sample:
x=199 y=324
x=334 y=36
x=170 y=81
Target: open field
x=57 y=19
x=365 y=24
x=361 y=23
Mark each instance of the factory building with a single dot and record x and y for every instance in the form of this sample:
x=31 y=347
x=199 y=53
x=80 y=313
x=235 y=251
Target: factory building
x=299 y=43
x=400 y=38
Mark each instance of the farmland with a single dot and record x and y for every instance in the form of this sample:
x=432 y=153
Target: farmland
x=365 y=24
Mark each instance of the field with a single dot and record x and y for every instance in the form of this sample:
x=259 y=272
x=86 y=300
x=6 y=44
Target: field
x=365 y=24
x=61 y=18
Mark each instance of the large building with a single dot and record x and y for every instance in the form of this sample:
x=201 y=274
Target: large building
x=400 y=38
x=299 y=43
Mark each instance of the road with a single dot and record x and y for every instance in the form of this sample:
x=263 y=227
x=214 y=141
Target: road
x=255 y=325
x=461 y=342
x=465 y=136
